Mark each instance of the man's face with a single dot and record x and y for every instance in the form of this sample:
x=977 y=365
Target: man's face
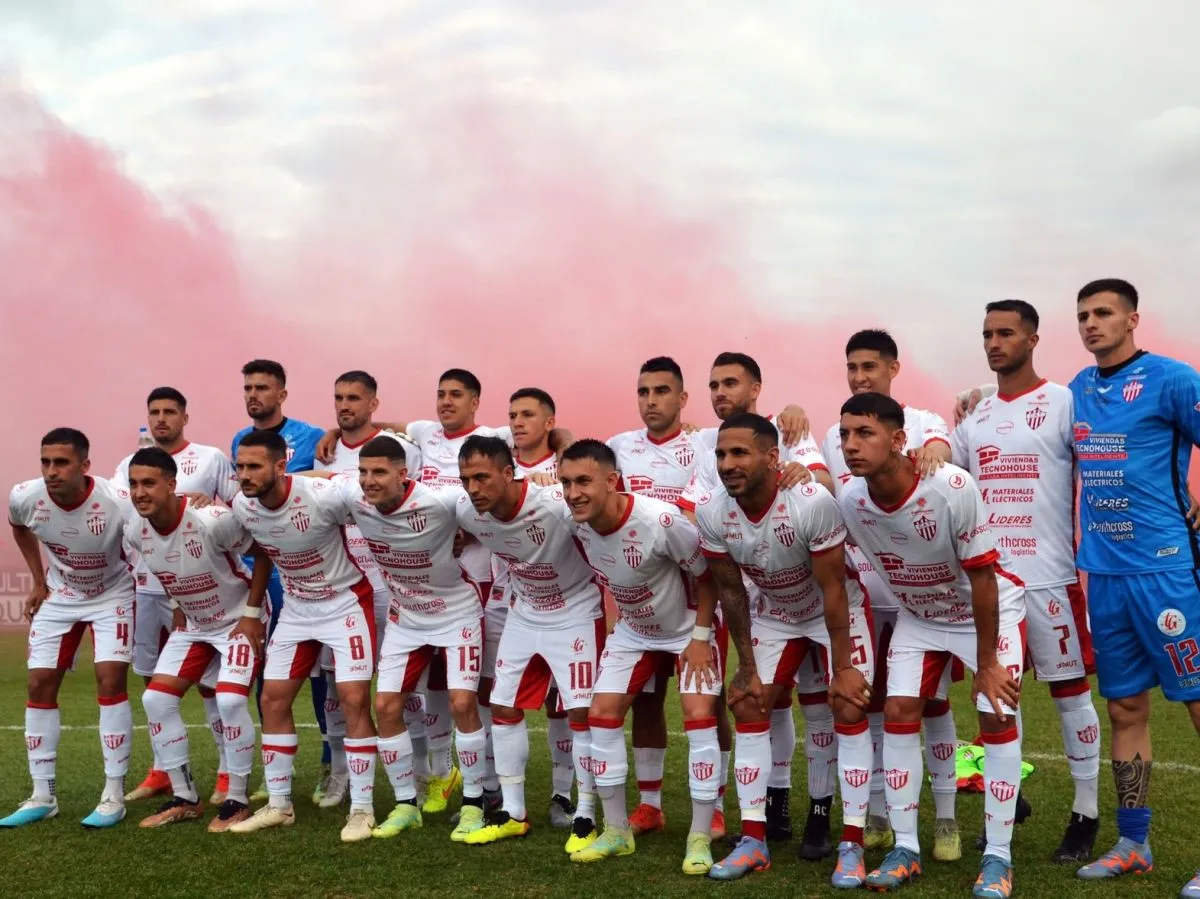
x=1105 y=321
x=587 y=487
x=867 y=444
x=732 y=390
x=485 y=481
x=744 y=461
x=868 y=371
x=382 y=480
x=264 y=396
x=257 y=472
x=456 y=406
x=530 y=421
x=661 y=399
x=63 y=471
x=150 y=489
x=1008 y=341
x=166 y=421
x=353 y=404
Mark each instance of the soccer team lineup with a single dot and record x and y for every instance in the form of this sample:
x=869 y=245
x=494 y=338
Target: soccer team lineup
x=431 y=581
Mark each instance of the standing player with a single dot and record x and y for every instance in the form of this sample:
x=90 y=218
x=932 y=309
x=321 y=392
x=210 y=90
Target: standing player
x=326 y=601
x=1137 y=418
x=647 y=555
x=193 y=553
x=872 y=364
x=81 y=520
x=735 y=383
x=201 y=470
x=264 y=389
x=1017 y=445
x=555 y=627
x=790 y=544
x=928 y=537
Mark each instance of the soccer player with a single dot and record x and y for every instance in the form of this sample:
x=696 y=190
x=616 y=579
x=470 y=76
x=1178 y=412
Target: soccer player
x=1137 y=418
x=1018 y=447
x=735 y=382
x=872 y=364
x=200 y=470
x=354 y=401
x=555 y=627
x=264 y=388
x=928 y=536
x=81 y=520
x=410 y=529
x=194 y=554
x=648 y=557
x=326 y=601
x=790 y=544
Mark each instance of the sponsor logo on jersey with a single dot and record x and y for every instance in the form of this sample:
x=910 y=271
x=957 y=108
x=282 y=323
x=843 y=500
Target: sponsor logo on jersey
x=639 y=483
x=957 y=481
x=1172 y=622
x=1164 y=551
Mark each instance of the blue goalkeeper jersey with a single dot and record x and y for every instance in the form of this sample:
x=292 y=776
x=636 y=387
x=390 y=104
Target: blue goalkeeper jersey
x=1135 y=426
x=302 y=440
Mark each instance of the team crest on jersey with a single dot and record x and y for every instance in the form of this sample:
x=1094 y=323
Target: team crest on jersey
x=188 y=466
x=300 y=520
x=702 y=770
x=1035 y=415
x=96 y=522
x=633 y=555
x=1132 y=390
x=536 y=533
x=785 y=534
x=684 y=455
x=417 y=521
x=194 y=547
x=746 y=775
x=925 y=526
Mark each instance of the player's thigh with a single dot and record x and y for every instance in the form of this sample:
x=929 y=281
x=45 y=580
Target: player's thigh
x=691 y=683
x=779 y=658
x=1166 y=614
x=351 y=637
x=1010 y=653
x=494 y=617
x=381 y=599
x=518 y=664
x=236 y=665
x=186 y=656
x=1056 y=645
x=112 y=633
x=292 y=651
x=918 y=661
x=573 y=658
x=463 y=652
x=1123 y=666
x=626 y=670
x=54 y=637
x=152 y=622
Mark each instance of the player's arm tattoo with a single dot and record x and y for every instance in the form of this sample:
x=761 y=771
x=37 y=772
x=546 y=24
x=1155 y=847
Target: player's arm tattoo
x=1132 y=778
x=735 y=604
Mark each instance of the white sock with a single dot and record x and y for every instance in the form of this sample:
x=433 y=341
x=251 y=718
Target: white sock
x=414 y=721
x=855 y=758
x=752 y=752
x=116 y=738
x=878 y=804
x=239 y=738
x=43 y=726
x=212 y=714
x=335 y=728
x=396 y=756
x=279 y=758
x=559 y=739
x=1001 y=782
x=648 y=764
x=582 y=752
x=511 y=742
x=783 y=747
x=471 y=749
x=439 y=731
x=941 y=745
x=360 y=755
x=902 y=774
x=704 y=771
x=491 y=782
x=1081 y=740
x=169 y=737
x=723 y=774
x=609 y=765
x=820 y=748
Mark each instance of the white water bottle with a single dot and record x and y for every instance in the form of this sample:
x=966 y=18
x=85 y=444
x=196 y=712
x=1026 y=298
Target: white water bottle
x=144 y=438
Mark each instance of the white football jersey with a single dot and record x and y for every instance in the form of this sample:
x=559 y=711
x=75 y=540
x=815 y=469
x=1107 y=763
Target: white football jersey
x=85 y=543
x=198 y=562
x=658 y=469
x=413 y=547
x=199 y=469
x=705 y=479
x=551 y=581
x=306 y=539
x=920 y=427
x=345 y=463
x=439 y=450
x=924 y=546
x=776 y=550
x=647 y=563
x=500 y=592
x=1020 y=452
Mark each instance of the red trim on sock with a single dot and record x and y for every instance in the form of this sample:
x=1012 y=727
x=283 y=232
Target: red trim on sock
x=118 y=699
x=41 y=705
x=813 y=698
x=650 y=786
x=505 y=722
x=852 y=834
x=902 y=727
x=700 y=724
x=753 y=727
x=580 y=727
x=935 y=708
x=755 y=829
x=850 y=730
x=1005 y=736
x=610 y=723
x=1065 y=691
x=157 y=687
x=272 y=747
x=369 y=749
x=233 y=688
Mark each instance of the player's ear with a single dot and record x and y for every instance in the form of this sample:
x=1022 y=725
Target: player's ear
x=86 y=466
x=893 y=368
x=373 y=405
x=549 y=424
x=614 y=479
x=1034 y=338
x=282 y=395
x=755 y=390
x=184 y=419
x=683 y=399
x=899 y=440
x=1134 y=318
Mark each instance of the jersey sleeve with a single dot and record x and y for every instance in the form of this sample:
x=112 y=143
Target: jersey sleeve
x=332 y=499
x=973 y=539
x=227 y=485
x=712 y=543
x=959 y=446
x=831 y=446
x=20 y=504
x=807 y=453
x=681 y=541
x=229 y=535
x=121 y=475
x=1182 y=398
x=825 y=528
x=933 y=429
x=463 y=511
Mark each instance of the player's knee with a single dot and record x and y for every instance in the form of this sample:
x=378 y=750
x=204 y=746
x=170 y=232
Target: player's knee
x=159 y=704
x=903 y=709
x=43 y=686
x=506 y=713
x=112 y=679
x=578 y=716
x=462 y=704
x=1129 y=711
x=847 y=712
x=389 y=709
x=354 y=698
x=605 y=705
x=231 y=704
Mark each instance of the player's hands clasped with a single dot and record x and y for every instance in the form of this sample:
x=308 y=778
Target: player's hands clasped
x=698 y=664
x=34 y=601
x=994 y=682
x=251 y=627
x=850 y=685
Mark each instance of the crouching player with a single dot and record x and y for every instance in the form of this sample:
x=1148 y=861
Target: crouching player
x=219 y=621
x=646 y=553
x=791 y=544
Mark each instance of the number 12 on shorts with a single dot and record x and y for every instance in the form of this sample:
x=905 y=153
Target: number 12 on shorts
x=1185 y=657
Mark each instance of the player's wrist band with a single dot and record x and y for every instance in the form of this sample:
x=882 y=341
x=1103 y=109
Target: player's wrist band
x=244 y=611
x=701 y=633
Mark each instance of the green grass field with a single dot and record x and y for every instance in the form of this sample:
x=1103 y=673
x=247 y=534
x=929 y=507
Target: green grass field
x=60 y=858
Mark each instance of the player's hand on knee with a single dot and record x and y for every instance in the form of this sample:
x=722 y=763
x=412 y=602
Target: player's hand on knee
x=998 y=686
x=849 y=685
x=747 y=687
x=697 y=665
x=253 y=630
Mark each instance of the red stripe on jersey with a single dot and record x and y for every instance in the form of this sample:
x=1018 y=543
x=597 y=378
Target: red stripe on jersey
x=713 y=554
x=1009 y=576
x=624 y=517
x=1016 y=396
x=234 y=569
x=988 y=558
x=828 y=549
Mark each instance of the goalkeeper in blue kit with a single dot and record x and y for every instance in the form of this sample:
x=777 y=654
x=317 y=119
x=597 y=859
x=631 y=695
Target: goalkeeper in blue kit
x=1137 y=418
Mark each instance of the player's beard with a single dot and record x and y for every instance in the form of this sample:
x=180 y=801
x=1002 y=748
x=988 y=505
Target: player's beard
x=263 y=414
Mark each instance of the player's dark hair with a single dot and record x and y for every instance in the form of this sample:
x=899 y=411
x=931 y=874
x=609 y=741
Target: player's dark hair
x=271 y=441
x=463 y=377
x=358 y=377
x=875 y=405
x=662 y=364
x=874 y=339
x=1028 y=314
x=758 y=424
x=744 y=361
x=492 y=448
x=588 y=448
x=265 y=367
x=384 y=446
x=1118 y=286
x=155 y=457
x=71 y=437
x=170 y=394
x=534 y=393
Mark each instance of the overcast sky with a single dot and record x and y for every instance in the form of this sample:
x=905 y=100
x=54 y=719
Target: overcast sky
x=870 y=156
